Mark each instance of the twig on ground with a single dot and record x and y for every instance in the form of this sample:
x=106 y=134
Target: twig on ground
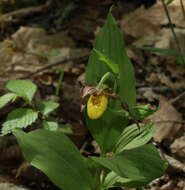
x=49 y=66
x=177 y=98
x=175 y=164
x=183 y=8
x=82 y=149
x=159 y=88
x=171 y=26
x=15 y=16
x=171 y=121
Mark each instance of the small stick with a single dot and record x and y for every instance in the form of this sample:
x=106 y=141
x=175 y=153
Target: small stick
x=172 y=28
x=171 y=121
x=177 y=98
x=183 y=8
x=49 y=66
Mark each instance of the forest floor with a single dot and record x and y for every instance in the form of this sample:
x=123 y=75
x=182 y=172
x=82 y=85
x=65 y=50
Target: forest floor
x=36 y=40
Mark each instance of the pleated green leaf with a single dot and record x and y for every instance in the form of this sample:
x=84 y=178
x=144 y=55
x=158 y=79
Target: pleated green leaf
x=133 y=137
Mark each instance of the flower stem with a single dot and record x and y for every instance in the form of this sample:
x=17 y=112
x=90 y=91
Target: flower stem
x=105 y=77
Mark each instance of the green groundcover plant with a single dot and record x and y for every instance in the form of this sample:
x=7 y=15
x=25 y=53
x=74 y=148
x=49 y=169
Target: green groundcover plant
x=31 y=112
x=111 y=115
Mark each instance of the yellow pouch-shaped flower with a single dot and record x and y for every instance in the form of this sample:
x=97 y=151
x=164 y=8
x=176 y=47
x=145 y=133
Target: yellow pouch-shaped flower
x=96 y=106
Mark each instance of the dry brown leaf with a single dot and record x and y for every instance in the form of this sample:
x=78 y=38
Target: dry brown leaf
x=178 y=147
x=34 y=38
x=11 y=186
x=166 y=130
x=167 y=186
x=19 y=56
x=146 y=22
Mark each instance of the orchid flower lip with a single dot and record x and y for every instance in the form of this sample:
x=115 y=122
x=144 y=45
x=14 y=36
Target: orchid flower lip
x=96 y=106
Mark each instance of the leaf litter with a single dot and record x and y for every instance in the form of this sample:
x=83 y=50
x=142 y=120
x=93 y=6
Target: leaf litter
x=22 y=53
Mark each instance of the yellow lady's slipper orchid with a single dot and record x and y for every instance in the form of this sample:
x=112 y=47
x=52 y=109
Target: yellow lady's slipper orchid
x=96 y=106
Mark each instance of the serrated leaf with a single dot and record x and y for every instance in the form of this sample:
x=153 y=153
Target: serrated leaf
x=50 y=125
x=7 y=98
x=133 y=137
x=47 y=106
x=19 y=118
x=23 y=88
x=141 y=164
x=55 y=155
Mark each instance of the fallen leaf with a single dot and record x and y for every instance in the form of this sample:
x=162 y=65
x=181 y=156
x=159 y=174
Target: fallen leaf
x=178 y=147
x=164 y=118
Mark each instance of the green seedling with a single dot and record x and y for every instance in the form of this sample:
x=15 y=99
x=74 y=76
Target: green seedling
x=31 y=111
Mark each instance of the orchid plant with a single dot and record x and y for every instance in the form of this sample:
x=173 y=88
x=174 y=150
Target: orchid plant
x=114 y=121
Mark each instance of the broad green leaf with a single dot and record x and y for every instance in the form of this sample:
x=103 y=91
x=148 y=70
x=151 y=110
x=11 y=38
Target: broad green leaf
x=55 y=155
x=114 y=180
x=47 y=106
x=133 y=137
x=109 y=42
x=51 y=124
x=7 y=98
x=107 y=128
x=95 y=169
x=19 y=118
x=161 y=51
x=23 y=88
x=141 y=112
x=111 y=179
x=106 y=60
x=140 y=164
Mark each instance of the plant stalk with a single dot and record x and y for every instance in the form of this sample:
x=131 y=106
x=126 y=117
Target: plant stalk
x=171 y=26
x=101 y=188
x=59 y=85
x=105 y=77
x=183 y=8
